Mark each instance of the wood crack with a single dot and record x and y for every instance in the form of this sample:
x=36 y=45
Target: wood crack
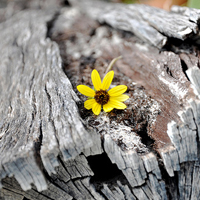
x=43 y=194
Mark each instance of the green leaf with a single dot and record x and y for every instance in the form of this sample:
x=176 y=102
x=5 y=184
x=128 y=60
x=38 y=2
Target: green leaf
x=193 y=4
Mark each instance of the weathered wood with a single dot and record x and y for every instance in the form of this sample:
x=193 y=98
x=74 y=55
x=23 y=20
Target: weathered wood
x=152 y=25
x=56 y=150
x=39 y=97
x=129 y=162
x=192 y=13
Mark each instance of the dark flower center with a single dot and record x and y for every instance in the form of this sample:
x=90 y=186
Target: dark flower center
x=101 y=97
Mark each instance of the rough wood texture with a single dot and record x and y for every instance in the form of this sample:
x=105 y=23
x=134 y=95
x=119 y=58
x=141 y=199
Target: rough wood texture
x=152 y=25
x=51 y=147
x=37 y=102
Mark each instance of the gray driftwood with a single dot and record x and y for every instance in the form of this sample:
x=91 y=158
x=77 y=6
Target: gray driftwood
x=53 y=148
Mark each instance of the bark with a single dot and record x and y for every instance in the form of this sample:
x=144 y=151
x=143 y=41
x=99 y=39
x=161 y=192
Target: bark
x=51 y=147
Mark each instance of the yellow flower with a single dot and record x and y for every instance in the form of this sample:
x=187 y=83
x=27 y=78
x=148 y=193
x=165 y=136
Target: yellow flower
x=100 y=96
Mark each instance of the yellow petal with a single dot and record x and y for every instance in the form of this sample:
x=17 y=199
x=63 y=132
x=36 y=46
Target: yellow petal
x=107 y=107
x=122 y=97
x=117 y=91
x=117 y=104
x=89 y=103
x=85 y=90
x=107 y=80
x=96 y=80
x=96 y=108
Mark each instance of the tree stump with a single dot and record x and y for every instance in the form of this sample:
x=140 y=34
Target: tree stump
x=51 y=147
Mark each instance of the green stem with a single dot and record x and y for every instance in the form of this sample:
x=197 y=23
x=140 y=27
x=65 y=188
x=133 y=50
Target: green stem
x=111 y=64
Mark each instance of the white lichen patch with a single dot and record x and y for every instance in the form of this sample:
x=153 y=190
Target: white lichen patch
x=175 y=87
x=123 y=135
x=126 y=138
x=144 y=105
x=154 y=110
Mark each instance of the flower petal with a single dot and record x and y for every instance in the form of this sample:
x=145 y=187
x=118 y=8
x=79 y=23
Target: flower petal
x=107 y=80
x=107 y=107
x=117 y=104
x=96 y=108
x=89 y=103
x=85 y=90
x=96 y=80
x=117 y=91
x=122 y=97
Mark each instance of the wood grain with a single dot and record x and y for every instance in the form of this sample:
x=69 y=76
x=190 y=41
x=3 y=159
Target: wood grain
x=34 y=93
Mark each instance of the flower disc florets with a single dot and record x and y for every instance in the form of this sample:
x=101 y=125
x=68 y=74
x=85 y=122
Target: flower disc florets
x=101 y=97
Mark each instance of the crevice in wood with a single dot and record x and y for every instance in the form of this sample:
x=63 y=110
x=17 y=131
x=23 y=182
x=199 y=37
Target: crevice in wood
x=88 y=190
x=43 y=194
x=11 y=191
x=103 y=169
x=49 y=103
x=50 y=114
x=192 y=176
x=146 y=139
x=185 y=68
x=62 y=163
x=170 y=182
x=33 y=93
x=66 y=3
x=37 y=146
x=168 y=71
x=179 y=46
x=197 y=135
x=102 y=194
x=105 y=173
x=38 y=143
x=26 y=198
x=52 y=181
x=50 y=24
